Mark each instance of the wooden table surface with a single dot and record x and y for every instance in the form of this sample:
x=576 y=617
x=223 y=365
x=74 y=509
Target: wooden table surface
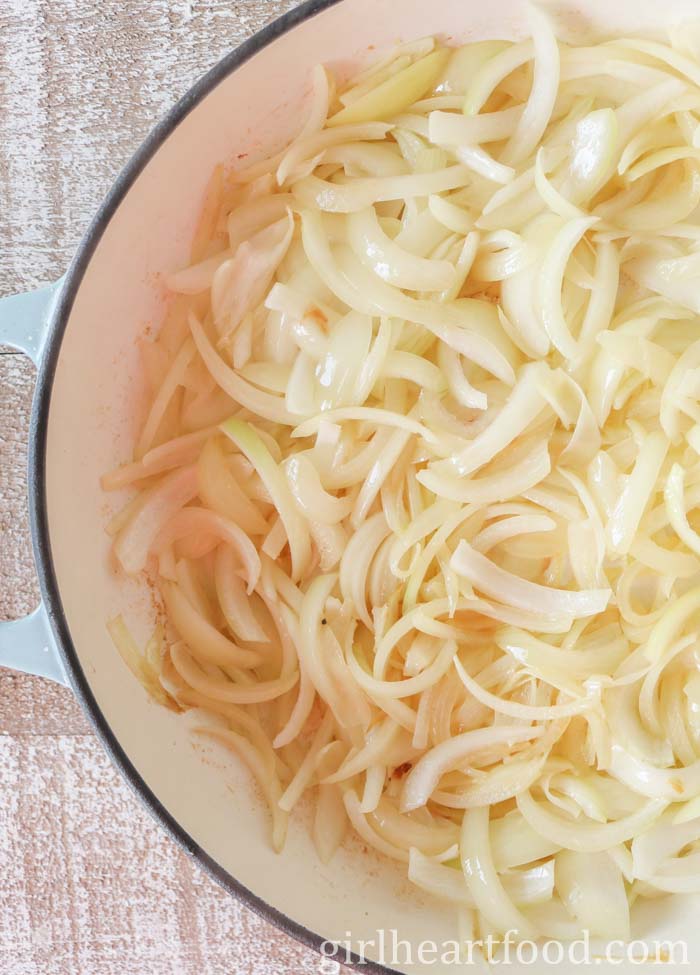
x=89 y=884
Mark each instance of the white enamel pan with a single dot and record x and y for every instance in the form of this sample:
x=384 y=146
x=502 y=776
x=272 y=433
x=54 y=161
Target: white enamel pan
x=82 y=332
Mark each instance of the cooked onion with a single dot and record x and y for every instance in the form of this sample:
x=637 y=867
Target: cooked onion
x=419 y=475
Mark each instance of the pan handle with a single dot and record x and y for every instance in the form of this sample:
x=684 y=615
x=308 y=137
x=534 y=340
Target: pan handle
x=28 y=644
x=24 y=319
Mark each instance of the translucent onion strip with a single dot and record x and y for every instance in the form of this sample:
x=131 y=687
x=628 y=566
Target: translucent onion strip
x=426 y=774
x=586 y=837
x=509 y=589
x=482 y=879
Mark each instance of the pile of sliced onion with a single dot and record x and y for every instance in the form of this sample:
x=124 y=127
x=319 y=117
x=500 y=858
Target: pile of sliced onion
x=420 y=475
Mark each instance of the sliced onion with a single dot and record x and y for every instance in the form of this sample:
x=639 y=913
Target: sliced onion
x=220 y=491
x=406 y=831
x=269 y=783
x=452 y=216
x=487 y=489
x=675 y=506
x=646 y=106
x=390 y=262
x=197 y=278
x=233 y=600
x=317 y=142
x=514 y=842
x=493 y=71
x=448 y=129
x=203 y=638
x=155 y=509
x=192 y=520
x=411 y=685
x=511 y=590
x=309 y=494
x=379 y=740
x=653 y=848
x=248 y=441
x=586 y=837
x=523 y=406
x=330 y=822
x=545 y=83
x=551 y=196
x=593 y=153
x=305 y=774
x=670 y=784
x=550 y=284
x=482 y=879
x=240 y=283
x=270 y=407
x=484 y=165
x=396 y=93
x=425 y=775
x=636 y=494
x=513 y=709
x=592 y=889
x=362 y=193
x=497 y=785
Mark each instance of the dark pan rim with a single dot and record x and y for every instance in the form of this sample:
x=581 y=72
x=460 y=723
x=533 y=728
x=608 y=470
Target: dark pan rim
x=37 y=472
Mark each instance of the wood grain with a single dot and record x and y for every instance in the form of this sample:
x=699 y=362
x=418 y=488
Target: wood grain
x=89 y=885
x=18 y=589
